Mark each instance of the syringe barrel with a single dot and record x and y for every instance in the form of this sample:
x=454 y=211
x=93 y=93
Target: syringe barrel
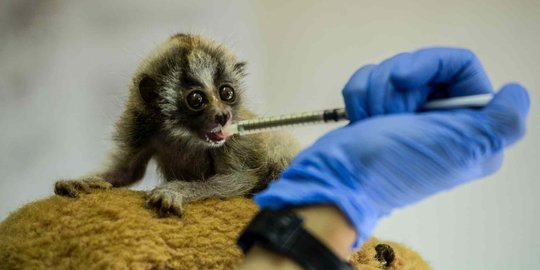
x=275 y=122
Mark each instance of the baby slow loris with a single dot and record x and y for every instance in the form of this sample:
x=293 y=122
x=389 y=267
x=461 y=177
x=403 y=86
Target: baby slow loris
x=182 y=96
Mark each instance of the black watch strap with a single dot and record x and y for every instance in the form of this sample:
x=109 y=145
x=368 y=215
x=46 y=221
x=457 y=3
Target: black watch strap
x=282 y=232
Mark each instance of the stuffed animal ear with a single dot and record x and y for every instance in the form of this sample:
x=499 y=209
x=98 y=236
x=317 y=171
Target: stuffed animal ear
x=385 y=254
x=148 y=88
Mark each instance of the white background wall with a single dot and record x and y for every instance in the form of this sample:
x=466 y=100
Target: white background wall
x=65 y=67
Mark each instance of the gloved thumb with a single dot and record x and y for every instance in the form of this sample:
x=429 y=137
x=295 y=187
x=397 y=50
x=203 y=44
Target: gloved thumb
x=507 y=112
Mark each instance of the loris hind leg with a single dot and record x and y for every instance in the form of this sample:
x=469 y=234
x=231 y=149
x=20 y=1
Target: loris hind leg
x=126 y=169
x=170 y=197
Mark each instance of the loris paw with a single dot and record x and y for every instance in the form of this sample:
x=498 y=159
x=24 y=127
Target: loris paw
x=73 y=188
x=166 y=201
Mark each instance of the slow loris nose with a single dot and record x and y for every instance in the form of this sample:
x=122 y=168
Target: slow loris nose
x=222 y=118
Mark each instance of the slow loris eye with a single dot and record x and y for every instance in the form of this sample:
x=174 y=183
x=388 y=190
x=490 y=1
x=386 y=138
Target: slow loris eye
x=195 y=100
x=226 y=93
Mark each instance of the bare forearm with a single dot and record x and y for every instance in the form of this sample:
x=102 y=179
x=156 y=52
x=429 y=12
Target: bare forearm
x=325 y=222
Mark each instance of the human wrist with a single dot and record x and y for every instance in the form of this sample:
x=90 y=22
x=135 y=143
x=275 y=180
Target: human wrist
x=325 y=223
x=328 y=224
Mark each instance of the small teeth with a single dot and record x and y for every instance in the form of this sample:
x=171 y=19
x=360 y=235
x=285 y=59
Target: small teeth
x=213 y=143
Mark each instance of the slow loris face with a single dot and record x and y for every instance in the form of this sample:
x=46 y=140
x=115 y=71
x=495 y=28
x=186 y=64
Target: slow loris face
x=196 y=89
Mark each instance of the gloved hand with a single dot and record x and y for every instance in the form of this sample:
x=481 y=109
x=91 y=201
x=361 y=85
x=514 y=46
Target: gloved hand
x=375 y=165
x=406 y=81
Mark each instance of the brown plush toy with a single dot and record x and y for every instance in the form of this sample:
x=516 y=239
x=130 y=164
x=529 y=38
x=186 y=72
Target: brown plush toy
x=114 y=230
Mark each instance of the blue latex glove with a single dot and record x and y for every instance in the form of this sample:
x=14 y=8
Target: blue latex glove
x=373 y=166
x=405 y=81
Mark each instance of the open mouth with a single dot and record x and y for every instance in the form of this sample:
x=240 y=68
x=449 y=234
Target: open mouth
x=216 y=136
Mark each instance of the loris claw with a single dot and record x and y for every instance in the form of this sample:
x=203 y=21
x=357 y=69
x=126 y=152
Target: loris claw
x=166 y=201
x=182 y=97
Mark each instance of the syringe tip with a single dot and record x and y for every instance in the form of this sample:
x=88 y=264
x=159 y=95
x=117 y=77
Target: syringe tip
x=230 y=129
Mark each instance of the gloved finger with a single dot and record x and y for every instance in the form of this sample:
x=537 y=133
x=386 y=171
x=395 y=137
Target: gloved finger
x=457 y=72
x=491 y=164
x=382 y=98
x=369 y=92
x=507 y=113
x=355 y=93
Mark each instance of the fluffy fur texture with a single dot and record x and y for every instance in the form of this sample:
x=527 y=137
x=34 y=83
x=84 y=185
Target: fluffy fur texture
x=182 y=95
x=113 y=230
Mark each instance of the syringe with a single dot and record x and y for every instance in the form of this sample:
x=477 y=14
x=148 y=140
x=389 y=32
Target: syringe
x=264 y=124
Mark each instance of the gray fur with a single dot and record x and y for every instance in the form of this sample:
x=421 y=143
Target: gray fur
x=165 y=129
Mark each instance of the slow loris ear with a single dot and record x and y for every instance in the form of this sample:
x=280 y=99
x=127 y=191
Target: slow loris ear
x=240 y=68
x=148 y=88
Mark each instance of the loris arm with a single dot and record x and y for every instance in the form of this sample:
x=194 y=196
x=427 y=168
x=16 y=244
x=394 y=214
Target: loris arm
x=128 y=167
x=169 y=197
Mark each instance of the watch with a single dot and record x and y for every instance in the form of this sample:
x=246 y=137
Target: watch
x=282 y=231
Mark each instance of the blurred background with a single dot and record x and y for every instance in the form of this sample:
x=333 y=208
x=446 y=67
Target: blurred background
x=65 y=67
